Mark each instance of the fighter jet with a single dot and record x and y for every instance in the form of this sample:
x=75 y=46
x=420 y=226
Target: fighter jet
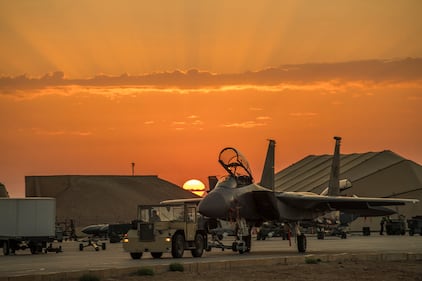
x=237 y=198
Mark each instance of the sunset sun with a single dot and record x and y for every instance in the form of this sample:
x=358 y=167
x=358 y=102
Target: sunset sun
x=195 y=186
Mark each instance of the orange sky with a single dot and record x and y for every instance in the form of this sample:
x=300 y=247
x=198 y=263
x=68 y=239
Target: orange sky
x=257 y=81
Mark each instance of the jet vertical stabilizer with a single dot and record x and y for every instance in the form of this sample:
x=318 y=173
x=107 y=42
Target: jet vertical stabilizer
x=267 y=178
x=334 y=182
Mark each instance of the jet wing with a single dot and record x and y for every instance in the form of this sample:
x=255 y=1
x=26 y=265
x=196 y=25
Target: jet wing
x=269 y=203
x=304 y=200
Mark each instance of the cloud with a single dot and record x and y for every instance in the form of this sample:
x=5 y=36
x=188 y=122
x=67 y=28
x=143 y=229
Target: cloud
x=263 y=118
x=283 y=77
x=244 y=125
x=39 y=131
x=303 y=114
x=178 y=123
x=197 y=122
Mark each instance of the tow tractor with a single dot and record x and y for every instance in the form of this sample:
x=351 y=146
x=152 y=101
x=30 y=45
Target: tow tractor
x=166 y=228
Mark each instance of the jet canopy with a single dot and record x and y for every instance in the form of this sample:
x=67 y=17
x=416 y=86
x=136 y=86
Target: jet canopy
x=235 y=164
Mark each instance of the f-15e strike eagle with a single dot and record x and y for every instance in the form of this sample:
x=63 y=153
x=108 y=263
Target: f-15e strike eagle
x=237 y=198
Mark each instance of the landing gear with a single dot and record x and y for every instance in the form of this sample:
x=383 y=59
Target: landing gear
x=244 y=238
x=242 y=245
x=301 y=243
x=300 y=238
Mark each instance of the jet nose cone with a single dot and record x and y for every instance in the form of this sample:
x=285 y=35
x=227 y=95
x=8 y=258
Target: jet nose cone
x=214 y=206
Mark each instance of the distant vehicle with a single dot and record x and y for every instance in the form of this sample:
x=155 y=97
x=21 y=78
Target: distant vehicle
x=27 y=223
x=395 y=227
x=166 y=228
x=116 y=232
x=415 y=225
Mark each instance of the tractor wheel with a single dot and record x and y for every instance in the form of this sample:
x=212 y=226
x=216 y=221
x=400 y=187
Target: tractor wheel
x=178 y=246
x=199 y=246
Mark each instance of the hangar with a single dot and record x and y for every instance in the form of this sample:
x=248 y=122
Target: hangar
x=102 y=199
x=3 y=191
x=373 y=174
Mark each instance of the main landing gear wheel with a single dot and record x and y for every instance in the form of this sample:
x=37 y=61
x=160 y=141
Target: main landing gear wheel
x=301 y=243
x=178 y=246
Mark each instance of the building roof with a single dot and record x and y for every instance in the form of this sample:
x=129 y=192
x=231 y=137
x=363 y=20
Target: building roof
x=102 y=199
x=312 y=172
x=3 y=191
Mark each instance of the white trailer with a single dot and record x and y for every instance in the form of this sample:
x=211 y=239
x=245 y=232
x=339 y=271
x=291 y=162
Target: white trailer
x=27 y=223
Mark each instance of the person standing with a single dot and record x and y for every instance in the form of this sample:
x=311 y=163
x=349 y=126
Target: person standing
x=382 y=223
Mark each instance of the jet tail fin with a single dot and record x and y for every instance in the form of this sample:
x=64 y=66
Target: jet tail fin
x=334 y=182
x=267 y=178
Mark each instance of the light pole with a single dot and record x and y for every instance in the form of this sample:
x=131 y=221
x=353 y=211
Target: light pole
x=133 y=168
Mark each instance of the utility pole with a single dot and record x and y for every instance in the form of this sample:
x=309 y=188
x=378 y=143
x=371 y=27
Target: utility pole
x=133 y=168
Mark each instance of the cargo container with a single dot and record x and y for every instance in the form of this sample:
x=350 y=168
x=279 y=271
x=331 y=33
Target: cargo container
x=27 y=223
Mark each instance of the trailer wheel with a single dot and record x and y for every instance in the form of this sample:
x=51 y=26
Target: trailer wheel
x=156 y=255
x=178 y=246
x=103 y=246
x=199 y=246
x=136 y=256
x=6 y=248
x=35 y=249
x=81 y=247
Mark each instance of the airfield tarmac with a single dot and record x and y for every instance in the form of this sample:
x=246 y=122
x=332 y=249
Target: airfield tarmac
x=274 y=251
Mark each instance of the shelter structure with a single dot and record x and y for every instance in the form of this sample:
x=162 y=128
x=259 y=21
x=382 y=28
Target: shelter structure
x=102 y=199
x=3 y=191
x=373 y=174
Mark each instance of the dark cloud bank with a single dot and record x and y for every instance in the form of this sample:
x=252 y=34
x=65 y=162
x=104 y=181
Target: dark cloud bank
x=376 y=71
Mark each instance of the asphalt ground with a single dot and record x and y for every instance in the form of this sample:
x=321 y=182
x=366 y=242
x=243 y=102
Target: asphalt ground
x=74 y=260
